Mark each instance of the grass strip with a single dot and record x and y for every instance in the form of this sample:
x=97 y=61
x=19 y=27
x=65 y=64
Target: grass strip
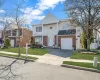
x=81 y=64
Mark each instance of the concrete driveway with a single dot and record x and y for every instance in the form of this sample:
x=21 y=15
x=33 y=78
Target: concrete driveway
x=55 y=56
x=59 y=52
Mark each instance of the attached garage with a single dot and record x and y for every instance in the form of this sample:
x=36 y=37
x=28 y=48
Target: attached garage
x=66 y=43
x=67 y=39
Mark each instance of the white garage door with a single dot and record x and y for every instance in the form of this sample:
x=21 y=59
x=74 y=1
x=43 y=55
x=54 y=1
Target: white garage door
x=66 y=43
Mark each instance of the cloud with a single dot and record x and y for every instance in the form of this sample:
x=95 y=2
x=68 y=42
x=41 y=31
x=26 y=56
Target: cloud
x=2 y=11
x=36 y=13
x=46 y=4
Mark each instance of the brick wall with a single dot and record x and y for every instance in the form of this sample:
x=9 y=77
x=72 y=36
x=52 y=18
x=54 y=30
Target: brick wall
x=71 y=36
x=45 y=40
x=26 y=37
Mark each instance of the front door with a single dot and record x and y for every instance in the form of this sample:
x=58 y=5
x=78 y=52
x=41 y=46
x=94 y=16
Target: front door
x=12 y=42
x=50 y=41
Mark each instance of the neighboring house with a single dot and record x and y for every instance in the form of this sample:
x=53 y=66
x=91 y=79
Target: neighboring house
x=1 y=40
x=0 y=33
x=25 y=35
x=59 y=33
x=96 y=43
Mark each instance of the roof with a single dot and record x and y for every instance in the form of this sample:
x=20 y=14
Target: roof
x=12 y=26
x=49 y=18
x=67 y=32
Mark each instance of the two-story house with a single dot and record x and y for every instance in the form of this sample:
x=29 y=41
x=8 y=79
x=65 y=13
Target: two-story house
x=12 y=32
x=59 y=33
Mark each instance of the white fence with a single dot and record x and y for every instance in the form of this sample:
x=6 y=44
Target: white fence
x=93 y=46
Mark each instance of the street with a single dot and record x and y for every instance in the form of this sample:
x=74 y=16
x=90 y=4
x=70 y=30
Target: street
x=39 y=71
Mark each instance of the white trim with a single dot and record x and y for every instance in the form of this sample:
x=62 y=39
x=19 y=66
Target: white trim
x=57 y=35
x=11 y=33
x=68 y=35
x=42 y=34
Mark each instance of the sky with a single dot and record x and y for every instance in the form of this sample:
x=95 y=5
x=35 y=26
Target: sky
x=35 y=10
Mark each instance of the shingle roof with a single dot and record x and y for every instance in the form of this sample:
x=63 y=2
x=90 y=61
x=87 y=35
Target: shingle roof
x=67 y=32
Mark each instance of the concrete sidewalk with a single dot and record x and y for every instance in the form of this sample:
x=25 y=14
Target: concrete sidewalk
x=57 y=60
x=37 y=56
x=50 y=58
x=79 y=60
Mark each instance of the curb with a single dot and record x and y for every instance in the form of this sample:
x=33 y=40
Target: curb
x=18 y=58
x=81 y=68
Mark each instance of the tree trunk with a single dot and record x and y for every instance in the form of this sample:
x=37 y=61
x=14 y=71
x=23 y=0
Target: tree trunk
x=88 y=44
x=19 y=43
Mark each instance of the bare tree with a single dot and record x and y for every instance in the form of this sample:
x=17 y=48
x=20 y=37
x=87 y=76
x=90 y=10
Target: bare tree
x=86 y=14
x=18 y=19
x=6 y=72
x=5 y=22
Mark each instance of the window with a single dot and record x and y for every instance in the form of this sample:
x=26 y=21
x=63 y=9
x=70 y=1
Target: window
x=38 y=29
x=20 y=32
x=8 y=32
x=14 y=32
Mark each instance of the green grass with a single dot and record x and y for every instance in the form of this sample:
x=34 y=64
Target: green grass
x=81 y=64
x=16 y=56
x=30 y=51
x=77 y=55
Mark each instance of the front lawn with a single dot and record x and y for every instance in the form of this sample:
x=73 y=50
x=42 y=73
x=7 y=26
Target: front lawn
x=30 y=51
x=81 y=64
x=77 y=55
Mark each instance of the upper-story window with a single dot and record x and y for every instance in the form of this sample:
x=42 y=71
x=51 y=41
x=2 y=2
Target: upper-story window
x=8 y=33
x=16 y=32
x=39 y=29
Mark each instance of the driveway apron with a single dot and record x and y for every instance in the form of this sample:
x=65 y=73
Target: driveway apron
x=55 y=56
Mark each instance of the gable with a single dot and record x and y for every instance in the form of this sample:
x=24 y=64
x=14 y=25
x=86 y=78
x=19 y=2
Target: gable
x=50 y=18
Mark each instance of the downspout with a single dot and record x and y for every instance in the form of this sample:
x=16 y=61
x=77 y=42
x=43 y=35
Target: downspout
x=57 y=35
x=42 y=34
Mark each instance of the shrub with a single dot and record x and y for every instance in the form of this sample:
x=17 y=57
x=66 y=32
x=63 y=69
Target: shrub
x=83 y=41
x=7 y=42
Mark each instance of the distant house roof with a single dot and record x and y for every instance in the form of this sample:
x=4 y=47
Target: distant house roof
x=67 y=32
x=49 y=18
x=11 y=26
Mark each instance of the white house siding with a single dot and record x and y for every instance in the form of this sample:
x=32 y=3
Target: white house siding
x=56 y=25
x=65 y=25
x=34 y=30
x=50 y=32
x=97 y=35
x=78 y=37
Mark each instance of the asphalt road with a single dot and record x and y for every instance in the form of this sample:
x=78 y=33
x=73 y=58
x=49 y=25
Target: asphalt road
x=39 y=71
